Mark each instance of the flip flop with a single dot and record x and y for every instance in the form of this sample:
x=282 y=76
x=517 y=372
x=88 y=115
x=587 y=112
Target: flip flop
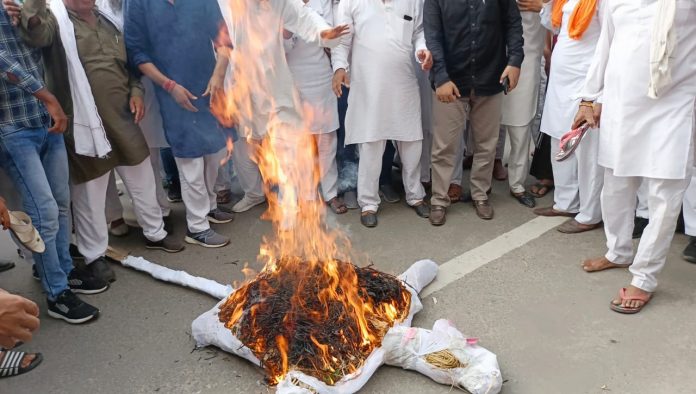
x=337 y=206
x=21 y=227
x=624 y=297
x=570 y=142
x=11 y=363
x=540 y=186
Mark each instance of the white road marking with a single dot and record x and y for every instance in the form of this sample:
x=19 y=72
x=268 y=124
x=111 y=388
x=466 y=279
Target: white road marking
x=494 y=249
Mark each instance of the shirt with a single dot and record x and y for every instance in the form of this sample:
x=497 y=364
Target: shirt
x=472 y=41
x=20 y=78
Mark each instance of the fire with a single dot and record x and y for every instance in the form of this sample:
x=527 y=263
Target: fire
x=308 y=309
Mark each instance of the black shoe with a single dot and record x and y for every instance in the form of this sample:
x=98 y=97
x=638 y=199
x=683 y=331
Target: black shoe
x=100 y=269
x=35 y=273
x=82 y=282
x=6 y=266
x=525 y=199
x=168 y=224
x=639 y=225
x=75 y=253
x=168 y=244
x=70 y=308
x=422 y=209
x=174 y=195
x=689 y=253
x=369 y=219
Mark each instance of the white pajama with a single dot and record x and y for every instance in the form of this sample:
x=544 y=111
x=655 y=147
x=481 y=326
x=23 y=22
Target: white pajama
x=197 y=177
x=246 y=169
x=327 y=145
x=619 y=202
x=579 y=180
x=520 y=155
x=114 y=208
x=89 y=207
x=370 y=166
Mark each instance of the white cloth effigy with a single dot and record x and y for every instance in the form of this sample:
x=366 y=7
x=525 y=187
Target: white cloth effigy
x=662 y=46
x=88 y=129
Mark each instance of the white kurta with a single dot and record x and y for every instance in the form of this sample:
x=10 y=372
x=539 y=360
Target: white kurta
x=273 y=95
x=311 y=68
x=520 y=105
x=384 y=101
x=640 y=136
x=569 y=64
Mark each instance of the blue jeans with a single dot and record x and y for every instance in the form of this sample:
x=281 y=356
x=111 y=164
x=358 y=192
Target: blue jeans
x=37 y=163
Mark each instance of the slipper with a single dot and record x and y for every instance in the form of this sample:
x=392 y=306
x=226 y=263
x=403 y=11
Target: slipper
x=337 y=206
x=550 y=212
x=540 y=186
x=11 y=364
x=629 y=311
x=570 y=142
x=21 y=227
x=572 y=226
x=6 y=265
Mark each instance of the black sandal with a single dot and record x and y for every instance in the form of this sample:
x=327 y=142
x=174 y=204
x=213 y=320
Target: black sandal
x=541 y=187
x=11 y=363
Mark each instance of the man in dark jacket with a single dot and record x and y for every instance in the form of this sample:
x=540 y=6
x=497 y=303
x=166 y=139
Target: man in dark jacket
x=477 y=53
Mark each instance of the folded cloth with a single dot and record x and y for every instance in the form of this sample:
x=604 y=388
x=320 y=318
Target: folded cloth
x=88 y=129
x=662 y=44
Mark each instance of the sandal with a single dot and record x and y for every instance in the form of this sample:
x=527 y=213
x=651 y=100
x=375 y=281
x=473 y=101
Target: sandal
x=337 y=206
x=629 y=311
x=26 y=233
x=11 y=363
x=570 y=142
x=542 y=189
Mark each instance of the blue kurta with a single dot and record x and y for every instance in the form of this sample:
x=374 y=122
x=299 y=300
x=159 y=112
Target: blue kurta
x=179 y=40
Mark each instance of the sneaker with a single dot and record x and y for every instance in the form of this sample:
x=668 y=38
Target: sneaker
x=219 y=216
x=168 y=224
x=246 y=203
x=174 y=195
x=168 y=244
x=83 y=282
x=350 y=198
x=70 y=308
x=639 y=225
x=207 y=239
x=100 y=269
x=388 y=194
x=75 y=253
x=118 y=228
x=689 y=253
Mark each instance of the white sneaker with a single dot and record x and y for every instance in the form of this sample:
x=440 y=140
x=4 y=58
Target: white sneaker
x=247 y=203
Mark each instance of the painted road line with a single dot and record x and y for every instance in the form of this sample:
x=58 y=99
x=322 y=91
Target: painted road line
x=492 y=250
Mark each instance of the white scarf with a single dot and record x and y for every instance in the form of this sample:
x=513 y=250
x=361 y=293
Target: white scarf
x=89 y=133
x=662 y=46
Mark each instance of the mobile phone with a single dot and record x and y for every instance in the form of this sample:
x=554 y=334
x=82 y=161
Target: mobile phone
x=506 y=85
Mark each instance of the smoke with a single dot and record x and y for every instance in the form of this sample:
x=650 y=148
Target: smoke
x=347 y=176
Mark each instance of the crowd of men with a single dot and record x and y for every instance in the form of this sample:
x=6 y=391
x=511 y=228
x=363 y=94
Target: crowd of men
x=124 y=87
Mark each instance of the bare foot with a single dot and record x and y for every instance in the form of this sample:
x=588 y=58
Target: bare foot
x=600 y=264
x=634 y=299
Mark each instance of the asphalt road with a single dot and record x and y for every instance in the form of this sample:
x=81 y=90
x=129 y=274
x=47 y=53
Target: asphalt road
x=548 y=322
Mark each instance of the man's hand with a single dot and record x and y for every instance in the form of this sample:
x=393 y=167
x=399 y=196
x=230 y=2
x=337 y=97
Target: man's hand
x=588 y=115
x=137 y=108
x=18 y=319
x=340 y=79
x=216 y=86
x=4 y=215
x=425 y=58
x=336 y=32
x=512 y=73
x=60 y=120
x=448 y=92
x=530 y=5
x=183 y=97
x=13 y=10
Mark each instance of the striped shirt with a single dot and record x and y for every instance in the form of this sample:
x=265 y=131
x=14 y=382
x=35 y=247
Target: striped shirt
x=20 y=77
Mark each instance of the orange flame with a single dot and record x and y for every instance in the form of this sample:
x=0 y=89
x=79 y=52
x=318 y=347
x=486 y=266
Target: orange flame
x=301 y=241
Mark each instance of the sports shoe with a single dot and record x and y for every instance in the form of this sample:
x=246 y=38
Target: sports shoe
x=219 y=216
x=246 y=203
x=388 y=194
x=169 y=244
x=174 y=195
x=70 y=308
x=100 y=269
x=75 y=253
x=118 y=228
x=689 y=253
x=207 y=239
x=83 y=282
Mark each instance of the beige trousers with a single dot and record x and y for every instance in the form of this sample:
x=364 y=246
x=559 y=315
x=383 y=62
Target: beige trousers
x=449 y=121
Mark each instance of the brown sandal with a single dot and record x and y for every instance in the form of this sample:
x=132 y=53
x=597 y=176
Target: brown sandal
x=337 y=206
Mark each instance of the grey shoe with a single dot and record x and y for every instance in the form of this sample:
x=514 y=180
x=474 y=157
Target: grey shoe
x=100 y=269
x=350 y=198
x=369 y=219
x=422 y=209
x=219 y=216
x=207 y=239
x=169 y=244
x=388 y=194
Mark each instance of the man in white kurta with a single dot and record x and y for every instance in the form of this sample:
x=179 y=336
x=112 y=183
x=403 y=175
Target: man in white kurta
x=311 y=69
x=520 y=107
x=643 y=139
x=384 y=102
x=578 y=179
